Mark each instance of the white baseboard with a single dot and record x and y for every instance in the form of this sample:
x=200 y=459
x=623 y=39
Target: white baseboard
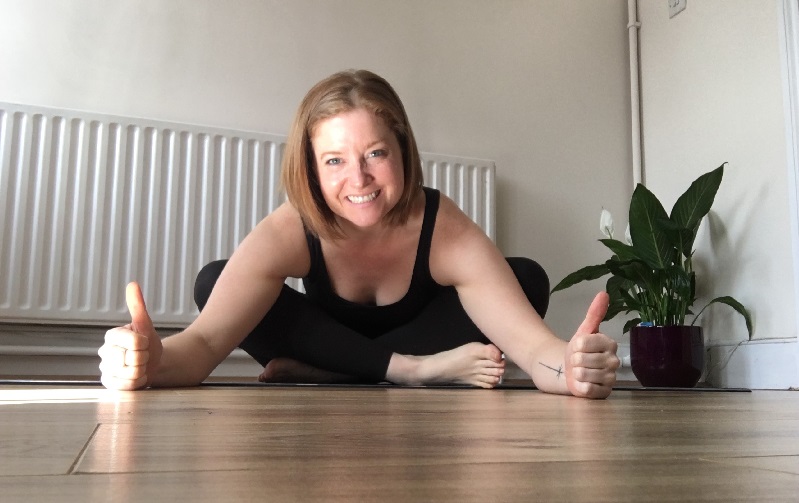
x=50 y=351
x=757 y=364
x=35 y=362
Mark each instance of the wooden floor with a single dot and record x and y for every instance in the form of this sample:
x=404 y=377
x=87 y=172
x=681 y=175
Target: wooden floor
x=83 y=443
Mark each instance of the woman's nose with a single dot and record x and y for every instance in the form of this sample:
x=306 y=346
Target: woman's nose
x=359 y=176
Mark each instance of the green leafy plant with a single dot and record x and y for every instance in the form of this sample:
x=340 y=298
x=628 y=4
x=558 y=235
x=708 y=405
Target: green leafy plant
x=652 y=274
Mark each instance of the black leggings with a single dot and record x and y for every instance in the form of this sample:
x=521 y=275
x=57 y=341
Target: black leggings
x=296 y=328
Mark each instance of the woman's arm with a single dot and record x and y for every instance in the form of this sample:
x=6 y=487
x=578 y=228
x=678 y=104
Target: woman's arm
x=134 y=356
x=463 y=256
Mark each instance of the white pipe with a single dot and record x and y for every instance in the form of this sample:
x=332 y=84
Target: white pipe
x=635 y=96
x=789 y=51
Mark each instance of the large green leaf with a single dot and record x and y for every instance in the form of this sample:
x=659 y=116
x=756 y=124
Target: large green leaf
x=633 y=304
x=679 y=237
x=695 y=203
x=649 y=239
x=733 y=304
x=617 y=284
x=619 y=298
x=630 y=324
x=585 y=274
x=614 y=308
x=634 y=271
x=680 y=280
x=623 y=250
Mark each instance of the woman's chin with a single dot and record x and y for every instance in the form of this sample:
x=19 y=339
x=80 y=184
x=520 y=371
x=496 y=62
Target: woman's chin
x=361 y=222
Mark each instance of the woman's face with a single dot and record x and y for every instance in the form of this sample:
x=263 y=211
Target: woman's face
x=359 y=165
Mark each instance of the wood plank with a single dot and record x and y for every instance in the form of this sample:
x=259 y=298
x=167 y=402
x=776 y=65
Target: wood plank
x=36 y=448
x=317 y=480
x=786 y=464
x=395 y=444
x=39 y=434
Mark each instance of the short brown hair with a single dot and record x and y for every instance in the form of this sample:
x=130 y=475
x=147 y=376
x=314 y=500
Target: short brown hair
x=340 y=93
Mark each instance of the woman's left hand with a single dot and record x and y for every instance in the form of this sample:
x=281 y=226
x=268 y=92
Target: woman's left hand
x=591 y=360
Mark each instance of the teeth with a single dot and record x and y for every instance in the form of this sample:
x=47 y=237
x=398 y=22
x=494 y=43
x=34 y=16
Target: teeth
x=363 y=199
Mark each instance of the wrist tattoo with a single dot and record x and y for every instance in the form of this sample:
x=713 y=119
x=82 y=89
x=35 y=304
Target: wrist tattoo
x=558 y=370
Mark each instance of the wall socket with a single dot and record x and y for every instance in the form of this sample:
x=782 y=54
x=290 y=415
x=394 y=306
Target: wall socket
x=676 y=6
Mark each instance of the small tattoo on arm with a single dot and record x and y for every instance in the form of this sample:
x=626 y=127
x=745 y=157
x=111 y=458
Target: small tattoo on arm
x=558 y=370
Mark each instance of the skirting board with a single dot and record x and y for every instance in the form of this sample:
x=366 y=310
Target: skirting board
x=27 y=361
x=42 y=350
x=757 y=364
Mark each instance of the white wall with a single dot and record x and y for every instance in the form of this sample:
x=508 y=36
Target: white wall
x=712 y=92
x=539 y=86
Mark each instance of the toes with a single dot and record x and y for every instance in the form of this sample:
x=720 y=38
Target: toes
x=493 y=371
x=487 y=352
x=492 y=364
x=487 y=381
x=493 y=353
x=268 y=372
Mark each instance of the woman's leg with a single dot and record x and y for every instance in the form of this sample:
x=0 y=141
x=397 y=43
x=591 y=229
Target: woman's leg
x=444 y=324
x=294 y=328
x=533 y=280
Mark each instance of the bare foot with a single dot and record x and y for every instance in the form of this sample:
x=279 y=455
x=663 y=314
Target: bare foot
x=474 y=364
x=286 y=370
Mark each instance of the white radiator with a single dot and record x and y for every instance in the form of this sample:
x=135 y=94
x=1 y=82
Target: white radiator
x=89 y=202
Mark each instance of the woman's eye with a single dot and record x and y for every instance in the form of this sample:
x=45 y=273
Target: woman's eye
x=377 y=153
x=333 y=161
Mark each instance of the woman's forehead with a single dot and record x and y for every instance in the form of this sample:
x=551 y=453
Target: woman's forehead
x=351 y=125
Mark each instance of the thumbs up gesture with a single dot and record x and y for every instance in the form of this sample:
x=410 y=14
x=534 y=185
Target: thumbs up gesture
x=131 y=353
x=591 y=360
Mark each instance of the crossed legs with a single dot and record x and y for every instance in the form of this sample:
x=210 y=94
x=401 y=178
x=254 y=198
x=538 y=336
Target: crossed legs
x=298 y=342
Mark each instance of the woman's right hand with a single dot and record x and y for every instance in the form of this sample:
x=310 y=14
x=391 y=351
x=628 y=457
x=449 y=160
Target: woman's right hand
x=130 y=354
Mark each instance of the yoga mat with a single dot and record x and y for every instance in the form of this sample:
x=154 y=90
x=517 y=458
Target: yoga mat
x=254 y=384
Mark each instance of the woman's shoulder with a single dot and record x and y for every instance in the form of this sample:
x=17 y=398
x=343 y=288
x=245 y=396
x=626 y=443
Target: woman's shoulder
x=458 y=245
x=454 y=239
x=454 y=229
x=451 y=221
x=284 y=218
x=279 y=238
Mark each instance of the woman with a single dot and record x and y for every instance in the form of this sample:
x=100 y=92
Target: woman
x=401 y=285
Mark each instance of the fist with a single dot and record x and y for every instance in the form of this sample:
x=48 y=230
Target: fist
x=591 y=360
x=130 y=354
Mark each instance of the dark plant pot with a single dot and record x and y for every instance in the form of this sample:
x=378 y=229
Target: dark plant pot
x=667 y=356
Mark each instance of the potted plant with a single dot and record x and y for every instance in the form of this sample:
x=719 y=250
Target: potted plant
x=652 y=275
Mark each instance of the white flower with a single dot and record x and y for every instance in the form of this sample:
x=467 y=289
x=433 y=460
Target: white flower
x=627 y=236
x=606 y=223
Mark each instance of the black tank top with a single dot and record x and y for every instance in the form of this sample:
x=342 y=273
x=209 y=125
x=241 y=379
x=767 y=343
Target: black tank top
x=368 y=320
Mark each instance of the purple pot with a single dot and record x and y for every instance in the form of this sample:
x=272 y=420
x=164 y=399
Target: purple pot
x=667 y=356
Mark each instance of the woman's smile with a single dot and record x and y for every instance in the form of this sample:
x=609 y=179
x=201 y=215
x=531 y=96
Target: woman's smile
x=364 y=199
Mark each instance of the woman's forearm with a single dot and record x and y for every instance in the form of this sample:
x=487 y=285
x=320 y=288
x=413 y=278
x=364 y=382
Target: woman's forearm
x=186 y=361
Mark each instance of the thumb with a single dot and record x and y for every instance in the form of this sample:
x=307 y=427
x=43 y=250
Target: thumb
x=596 y=313
x=140 y=319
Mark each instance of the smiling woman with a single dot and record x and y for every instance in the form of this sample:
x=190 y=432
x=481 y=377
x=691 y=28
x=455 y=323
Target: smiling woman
x=401 y=285
x=336 y=104
x=359 y=167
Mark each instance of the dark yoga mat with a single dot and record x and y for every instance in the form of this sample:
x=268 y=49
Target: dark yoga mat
x=254 y=384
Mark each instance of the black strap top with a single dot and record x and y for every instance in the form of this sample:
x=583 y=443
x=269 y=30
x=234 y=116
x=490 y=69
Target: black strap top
x=368 y=320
